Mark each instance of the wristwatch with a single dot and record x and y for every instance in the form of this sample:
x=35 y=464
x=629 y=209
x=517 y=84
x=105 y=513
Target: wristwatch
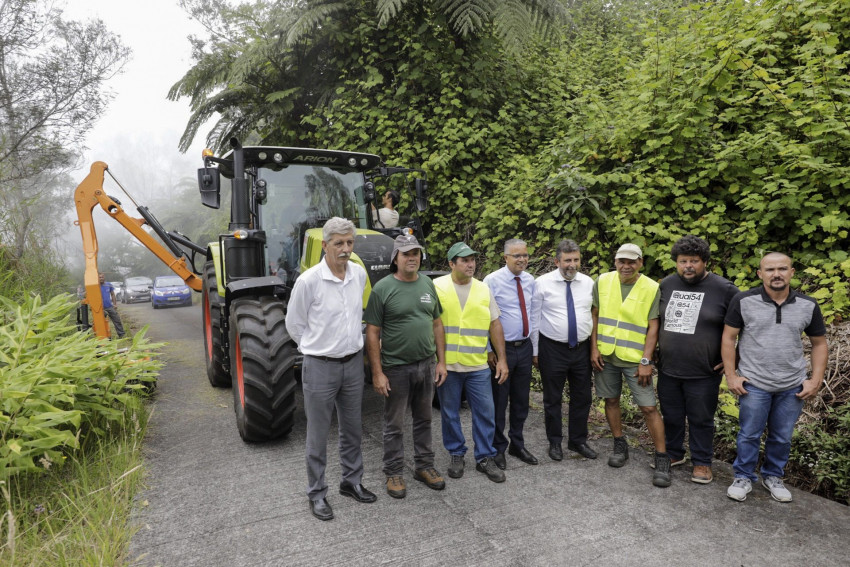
x=645 y=362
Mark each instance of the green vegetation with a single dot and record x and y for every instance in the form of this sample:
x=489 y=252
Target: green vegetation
x=71 y=421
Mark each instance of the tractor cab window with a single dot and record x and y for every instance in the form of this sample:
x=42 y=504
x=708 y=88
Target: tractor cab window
x=302 y=197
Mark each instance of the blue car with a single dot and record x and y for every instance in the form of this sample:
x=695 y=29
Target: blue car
x=170 y=290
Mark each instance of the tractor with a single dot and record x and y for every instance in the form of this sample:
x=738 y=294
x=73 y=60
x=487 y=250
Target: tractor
x=280 y=198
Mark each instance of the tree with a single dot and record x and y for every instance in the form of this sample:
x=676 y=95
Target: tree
x=52 y=75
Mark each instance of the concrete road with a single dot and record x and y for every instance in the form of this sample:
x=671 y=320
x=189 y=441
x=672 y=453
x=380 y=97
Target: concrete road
x=212 y=500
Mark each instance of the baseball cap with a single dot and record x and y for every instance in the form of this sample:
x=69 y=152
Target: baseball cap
x=460 y=249
x=629 y=252
x=404 y=243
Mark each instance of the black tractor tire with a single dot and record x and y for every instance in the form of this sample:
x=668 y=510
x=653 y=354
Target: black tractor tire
x=218 y=371
x=262 y=365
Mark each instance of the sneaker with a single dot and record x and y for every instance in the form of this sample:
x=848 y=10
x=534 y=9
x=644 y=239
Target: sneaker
x=661 y=476
x=702 y=474
x=431 y=478
x=739 y=489
x=488 y=467
x=777 y=488
x=456 y=466
x=395 y=486
x=621 y=453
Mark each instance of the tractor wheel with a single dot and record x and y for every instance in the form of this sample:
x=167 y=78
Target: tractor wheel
x=218 y=371
x=262 y=364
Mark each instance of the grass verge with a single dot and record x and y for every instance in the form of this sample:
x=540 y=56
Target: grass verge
x=77 y=514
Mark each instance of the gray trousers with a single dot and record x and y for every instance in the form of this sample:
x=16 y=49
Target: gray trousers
x=327 y=385
x=411 y=386
x=116 y=320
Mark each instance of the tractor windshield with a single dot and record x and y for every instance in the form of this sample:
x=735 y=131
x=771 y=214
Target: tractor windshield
x=302 y=197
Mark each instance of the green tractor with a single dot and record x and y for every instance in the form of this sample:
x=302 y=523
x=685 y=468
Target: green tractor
x=280 y=199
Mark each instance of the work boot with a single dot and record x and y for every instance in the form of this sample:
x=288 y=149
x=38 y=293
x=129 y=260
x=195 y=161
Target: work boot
x=621 y=453
x=661 y=476
x=456 y=466
x=396 y=487
x=431 y=478
x=488 y=466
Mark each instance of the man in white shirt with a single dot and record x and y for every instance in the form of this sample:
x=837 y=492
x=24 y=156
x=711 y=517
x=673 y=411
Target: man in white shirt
x=386 y=217
x=561 y=324
x=324 y=318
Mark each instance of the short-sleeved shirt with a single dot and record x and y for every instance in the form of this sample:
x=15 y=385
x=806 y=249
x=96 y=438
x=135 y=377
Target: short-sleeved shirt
x=625 y=289
x=770 y=342
x=690 y=325
x=405 y=312
x=106 y=291
x=385 y=218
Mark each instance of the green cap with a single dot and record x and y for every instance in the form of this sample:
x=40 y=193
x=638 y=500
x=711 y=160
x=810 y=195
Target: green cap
x=460 y=249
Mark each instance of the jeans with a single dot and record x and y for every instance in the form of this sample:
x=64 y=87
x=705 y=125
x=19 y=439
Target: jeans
x=411 y=386
x=779 y=412
x=694 y=399
x=515 y=390
x=479 y=394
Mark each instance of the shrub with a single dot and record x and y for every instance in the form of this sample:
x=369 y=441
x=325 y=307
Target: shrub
x=58 y=385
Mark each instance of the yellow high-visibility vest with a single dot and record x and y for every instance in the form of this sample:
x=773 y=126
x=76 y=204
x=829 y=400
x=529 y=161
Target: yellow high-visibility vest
x=466 y=330
x=623 y=324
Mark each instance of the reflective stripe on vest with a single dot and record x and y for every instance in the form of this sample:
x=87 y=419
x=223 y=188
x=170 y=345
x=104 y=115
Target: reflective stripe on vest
x=623 y=324
x=467 y=330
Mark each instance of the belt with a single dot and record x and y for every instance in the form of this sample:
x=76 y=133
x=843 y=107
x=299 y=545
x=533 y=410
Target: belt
x=518 y=343
x=342 y=360
x=563 y=344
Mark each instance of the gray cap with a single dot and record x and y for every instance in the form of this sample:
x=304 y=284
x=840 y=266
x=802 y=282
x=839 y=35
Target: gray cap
x=629 y=252
x=404 y=243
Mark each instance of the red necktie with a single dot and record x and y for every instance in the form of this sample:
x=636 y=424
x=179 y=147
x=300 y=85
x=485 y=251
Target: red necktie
x=522 y=307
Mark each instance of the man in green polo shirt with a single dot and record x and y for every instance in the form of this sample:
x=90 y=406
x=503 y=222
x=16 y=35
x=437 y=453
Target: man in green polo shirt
x=625 y=332
x=406 y=347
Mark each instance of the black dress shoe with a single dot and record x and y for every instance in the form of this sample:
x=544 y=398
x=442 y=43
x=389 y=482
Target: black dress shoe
x=523 y=455
x=357 y=491
x=555 y=452
x=582 y=449
x=321 y=509
x=500 y=461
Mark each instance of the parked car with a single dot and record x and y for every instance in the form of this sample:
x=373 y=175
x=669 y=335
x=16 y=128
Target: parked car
x=170 y=290
x=118 y=287
x=136 y=288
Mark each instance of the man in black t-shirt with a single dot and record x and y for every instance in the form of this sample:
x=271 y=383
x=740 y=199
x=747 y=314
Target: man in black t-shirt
x=691 y=312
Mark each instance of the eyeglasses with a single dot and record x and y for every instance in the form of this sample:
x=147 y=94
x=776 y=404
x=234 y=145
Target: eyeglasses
x=518 y=256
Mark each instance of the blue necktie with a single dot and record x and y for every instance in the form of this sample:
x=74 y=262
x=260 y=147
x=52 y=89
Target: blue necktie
x=572 y=330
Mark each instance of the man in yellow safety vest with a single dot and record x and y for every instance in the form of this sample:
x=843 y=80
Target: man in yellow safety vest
x=625 y=332
x=470 y=316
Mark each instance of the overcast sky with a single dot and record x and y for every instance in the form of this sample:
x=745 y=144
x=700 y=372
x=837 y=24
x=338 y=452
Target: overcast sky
x=141 y=128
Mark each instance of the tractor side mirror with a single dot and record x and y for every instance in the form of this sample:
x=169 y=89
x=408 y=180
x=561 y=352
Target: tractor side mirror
x=421 y=187
x=369 y=192
x=209 y=183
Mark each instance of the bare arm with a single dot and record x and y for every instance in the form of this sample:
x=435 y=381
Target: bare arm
x=595 y=356
x=497 y=339
x=440 y=341
x=728 y=351
x=373 y=348
x=820 y=353
x=645 y=371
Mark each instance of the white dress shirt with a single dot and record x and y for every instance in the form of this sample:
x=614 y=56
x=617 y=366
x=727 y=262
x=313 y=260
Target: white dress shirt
x=549 y=307
x=325 y=314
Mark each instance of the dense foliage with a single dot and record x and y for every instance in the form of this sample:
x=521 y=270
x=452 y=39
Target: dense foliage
x=59 y=386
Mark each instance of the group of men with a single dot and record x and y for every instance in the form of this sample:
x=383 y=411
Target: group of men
x=458 y=335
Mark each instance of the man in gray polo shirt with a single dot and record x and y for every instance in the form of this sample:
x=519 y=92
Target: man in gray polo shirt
x=771 y=377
